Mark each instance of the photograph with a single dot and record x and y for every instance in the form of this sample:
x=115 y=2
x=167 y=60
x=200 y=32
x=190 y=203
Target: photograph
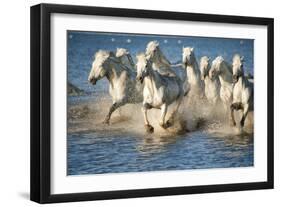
x=156 y=102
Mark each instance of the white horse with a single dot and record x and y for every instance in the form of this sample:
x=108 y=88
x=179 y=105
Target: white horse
x=223 y=70
x=122 y=83
x=243 y=90
x=212 y=87
x=193 y=80
x=159 y=92
x=125 y=57
x=159 y=62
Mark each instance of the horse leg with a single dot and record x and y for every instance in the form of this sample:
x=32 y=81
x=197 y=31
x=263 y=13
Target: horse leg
x=163 y=115
x=245 y=113
x=238 y=106
x=233 y=123
x=113 y=107
x=173 y=114
x=148 y=127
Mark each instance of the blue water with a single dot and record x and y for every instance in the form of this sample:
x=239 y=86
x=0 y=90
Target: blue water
x=97 y=150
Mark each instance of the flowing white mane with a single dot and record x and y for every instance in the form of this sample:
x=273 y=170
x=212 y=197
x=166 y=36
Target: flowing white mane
x=220 y=60
x=204 y=62
x=101 y=56
x=141 y=60
x=237 y=58
x=151 y=47
x=125 y=57
x=153 y=52
x=121 y=52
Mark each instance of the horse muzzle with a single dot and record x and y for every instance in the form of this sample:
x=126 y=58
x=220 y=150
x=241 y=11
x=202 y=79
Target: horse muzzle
x=93 y=81
x=139 y=79
x=235 y=78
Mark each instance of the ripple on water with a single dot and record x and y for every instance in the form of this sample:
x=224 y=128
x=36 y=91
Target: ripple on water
x=95 y=153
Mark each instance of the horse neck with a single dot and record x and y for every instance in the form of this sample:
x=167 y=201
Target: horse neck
x=161 y=60
x=114 y=71
x=225 y=76
x=152 y=79
x=243 y=81
x=127 y=60
x=192 y=70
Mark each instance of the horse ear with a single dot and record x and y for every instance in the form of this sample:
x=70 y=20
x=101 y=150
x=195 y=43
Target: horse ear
x=192 y=49
x=242 y=58
x=183 y=48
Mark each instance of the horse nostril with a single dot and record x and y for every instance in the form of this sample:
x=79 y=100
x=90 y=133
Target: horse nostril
x=92 y=80
x=139 y=78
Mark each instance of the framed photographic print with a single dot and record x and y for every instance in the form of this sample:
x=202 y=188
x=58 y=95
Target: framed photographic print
x=133 y=103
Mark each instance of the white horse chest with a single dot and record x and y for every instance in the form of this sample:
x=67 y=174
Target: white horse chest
x=152 y=97
x=211 y=88
x=193 y=78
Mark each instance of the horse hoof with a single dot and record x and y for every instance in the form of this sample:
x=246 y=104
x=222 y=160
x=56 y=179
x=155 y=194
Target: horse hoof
x=106 y=121
x=166 y=125
x=233 y=124
x=170 y=122
x=149 y=128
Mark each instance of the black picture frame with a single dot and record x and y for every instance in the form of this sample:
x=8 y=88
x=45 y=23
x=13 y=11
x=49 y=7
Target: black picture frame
x=41 y=99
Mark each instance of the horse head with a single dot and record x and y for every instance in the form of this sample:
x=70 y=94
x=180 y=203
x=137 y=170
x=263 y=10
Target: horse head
x=204 y=67
x=237 y=67
x=154 y=54
x=125 y=58
x=216 y=68
x=143 y=67
x=188 y=57
x=100 y=66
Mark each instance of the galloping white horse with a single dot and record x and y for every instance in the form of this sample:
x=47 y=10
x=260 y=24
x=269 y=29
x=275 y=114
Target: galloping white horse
x=159 y=62
x=212 y=87
x=122 y=83
x=223 y=70
x=193 y=74
x=243 y=91
x=159 y=92
x=125 y=57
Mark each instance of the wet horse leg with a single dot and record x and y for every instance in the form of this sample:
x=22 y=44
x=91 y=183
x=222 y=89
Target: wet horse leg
x=173 y=114
x=236 y=106
x=233 y=123
x=163 y=115
x=245 y=113
x=113 y=107
x=148 y=127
